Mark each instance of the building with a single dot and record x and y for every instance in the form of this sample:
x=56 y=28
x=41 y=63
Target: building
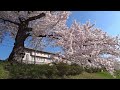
x=39 y=57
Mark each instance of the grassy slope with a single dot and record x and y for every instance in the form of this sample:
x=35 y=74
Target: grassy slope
x=3 y=73
x=100 y=75
x=85 y=75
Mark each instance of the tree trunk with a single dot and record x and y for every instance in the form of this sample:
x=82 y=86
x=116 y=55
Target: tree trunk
x=18 y=53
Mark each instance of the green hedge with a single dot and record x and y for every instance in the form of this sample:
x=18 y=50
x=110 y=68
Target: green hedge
x=93 y=69
x=31 y=71
x=75 y=70
x=23 y=71
x=4 y=74
x=65 y=69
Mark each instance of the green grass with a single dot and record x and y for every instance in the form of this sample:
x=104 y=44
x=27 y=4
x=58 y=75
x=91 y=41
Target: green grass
x=4 y=74
x=85 y=75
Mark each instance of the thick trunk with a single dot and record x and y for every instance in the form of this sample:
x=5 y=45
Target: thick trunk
x=18 y=53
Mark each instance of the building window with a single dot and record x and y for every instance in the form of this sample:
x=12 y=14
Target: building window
x=42 y=60
x=48 y=56
x=32 y=58
x=27 y=56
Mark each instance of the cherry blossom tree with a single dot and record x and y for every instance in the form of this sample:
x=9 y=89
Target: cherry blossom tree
x=33 y=26
x=81 y=43
x=89 y=46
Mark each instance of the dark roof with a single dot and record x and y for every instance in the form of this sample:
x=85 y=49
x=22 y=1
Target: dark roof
x=28 y=49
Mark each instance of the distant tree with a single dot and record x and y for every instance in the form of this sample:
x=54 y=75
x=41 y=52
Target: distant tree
x=89 y=46
x=35 y=25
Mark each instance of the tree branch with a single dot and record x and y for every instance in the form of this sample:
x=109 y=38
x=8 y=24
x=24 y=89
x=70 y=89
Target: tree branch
x=35 y=17
x=9 y=21
x=51 y=35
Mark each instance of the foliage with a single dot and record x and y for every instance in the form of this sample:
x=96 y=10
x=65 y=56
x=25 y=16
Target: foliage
x=63 y=69
x=117 y=74
x=92 y=69
x=23 y=71
x=89 y=46
x=37 y=28
x=4 y=74
x=32 y=71
x=75 y=69
x=86 y=75
x=42 y=24
x=82 y=44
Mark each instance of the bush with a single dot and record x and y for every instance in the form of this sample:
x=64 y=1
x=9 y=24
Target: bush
x=4 y=74
x=22 y=71
x=65 y=69
x=92 y=69
x=75 y=70
x=48 y=71
x=117 y=73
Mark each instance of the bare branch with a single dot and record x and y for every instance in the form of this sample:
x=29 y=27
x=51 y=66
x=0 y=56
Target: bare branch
x=35 y=17
x=91 y=26
x=51 y=35
x=9 y=21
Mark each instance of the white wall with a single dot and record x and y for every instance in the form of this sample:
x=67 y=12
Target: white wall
x=30 y=59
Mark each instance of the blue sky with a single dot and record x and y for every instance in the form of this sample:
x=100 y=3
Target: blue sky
x=108 y=21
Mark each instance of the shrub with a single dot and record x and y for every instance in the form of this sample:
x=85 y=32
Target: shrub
x=117 y=73
x=47 y=71
x=92 y=69
x=4 y=74
x=65 y=69
x=75 y=70
x=22 y=71
x=62 y=68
